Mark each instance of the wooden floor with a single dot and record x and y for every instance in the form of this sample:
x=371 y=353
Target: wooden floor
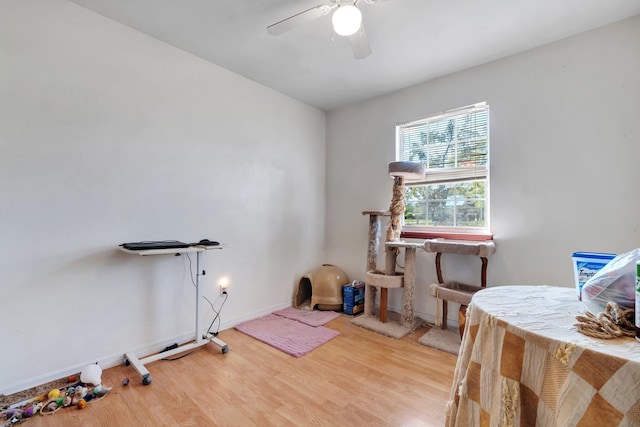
x=359 y=378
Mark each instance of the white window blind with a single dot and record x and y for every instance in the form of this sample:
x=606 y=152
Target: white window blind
x=454 y=145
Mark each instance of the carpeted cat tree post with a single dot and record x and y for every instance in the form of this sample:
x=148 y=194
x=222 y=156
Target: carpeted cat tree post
x=390 y=278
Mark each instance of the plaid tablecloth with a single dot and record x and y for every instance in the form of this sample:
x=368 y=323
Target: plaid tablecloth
x=523 y=363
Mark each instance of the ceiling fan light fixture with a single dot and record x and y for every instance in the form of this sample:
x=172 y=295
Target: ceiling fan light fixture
x=346 y=20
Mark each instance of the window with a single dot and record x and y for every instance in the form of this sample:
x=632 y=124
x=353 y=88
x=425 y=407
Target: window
x=453 y=198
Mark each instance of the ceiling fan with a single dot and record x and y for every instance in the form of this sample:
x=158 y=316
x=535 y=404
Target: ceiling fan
x=346 y=20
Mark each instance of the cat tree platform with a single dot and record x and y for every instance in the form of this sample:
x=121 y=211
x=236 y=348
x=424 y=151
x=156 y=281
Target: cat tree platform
x=459 y=293
x=391 y=279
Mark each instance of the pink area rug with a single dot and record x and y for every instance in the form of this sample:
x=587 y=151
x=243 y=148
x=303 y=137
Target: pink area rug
x=311 y=318
x=292 y=337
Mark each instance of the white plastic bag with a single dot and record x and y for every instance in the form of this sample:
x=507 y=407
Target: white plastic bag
x=615 y=282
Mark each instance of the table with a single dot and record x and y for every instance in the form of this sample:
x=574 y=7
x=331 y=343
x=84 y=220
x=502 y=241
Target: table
x=523 y=363
x=200 y=338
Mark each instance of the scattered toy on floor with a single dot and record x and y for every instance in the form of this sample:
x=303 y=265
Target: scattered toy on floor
x=79 y=394
x=92 y=374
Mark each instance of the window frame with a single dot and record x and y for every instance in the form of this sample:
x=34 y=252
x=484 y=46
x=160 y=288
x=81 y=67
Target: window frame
x=455 y=175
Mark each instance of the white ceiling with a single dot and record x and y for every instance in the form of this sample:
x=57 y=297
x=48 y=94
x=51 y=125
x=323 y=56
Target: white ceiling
x=412 y=40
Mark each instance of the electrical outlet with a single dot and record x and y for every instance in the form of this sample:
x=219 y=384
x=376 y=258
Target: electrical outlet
x=222 y=284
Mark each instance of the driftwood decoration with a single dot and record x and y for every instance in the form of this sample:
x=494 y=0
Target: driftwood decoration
x=397 y=210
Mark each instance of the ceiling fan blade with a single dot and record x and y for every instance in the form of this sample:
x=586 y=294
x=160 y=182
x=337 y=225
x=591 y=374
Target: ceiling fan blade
x=302 y=17
x=360 y=44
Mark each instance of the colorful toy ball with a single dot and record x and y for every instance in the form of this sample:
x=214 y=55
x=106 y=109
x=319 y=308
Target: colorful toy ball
x=125 y=382
x=82 y=404
x=54 y=394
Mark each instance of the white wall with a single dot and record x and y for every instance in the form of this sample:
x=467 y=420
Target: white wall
x=109 y=136
x=565 y=144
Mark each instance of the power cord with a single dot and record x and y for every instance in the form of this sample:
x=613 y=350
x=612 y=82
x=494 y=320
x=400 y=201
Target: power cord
x=217 y=316
x=166 y=359
x=191 y=270
x=193 y=282
x=217 y=312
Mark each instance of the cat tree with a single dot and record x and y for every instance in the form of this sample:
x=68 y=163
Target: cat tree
x=390 y=278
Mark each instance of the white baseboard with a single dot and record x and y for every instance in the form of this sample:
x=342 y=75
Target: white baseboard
x=228 y=324
x=109 y=361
